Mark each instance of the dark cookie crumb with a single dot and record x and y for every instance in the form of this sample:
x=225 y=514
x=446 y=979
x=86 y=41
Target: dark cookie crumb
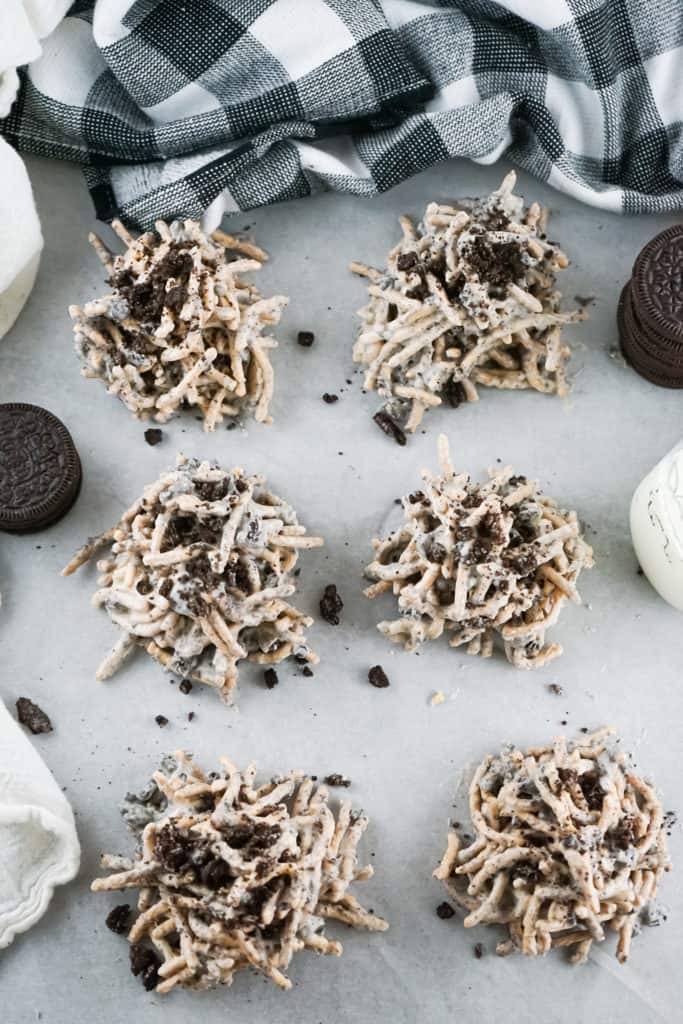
x=378 y=677
x=556 y=689
x=270 y=678
x=390 y=427
x=335 y=779
x=190 y=716
x=33 y=717
x=584 y=300
x=306 y=671
x=455 y=393
x=305 y=338
x=445 y=911
x=161 y=720
x=154 y=436
x=478 y=951
x=185 y=686
x=330 y=399
x=117 y=919
x=145 y=963
x=331 y=605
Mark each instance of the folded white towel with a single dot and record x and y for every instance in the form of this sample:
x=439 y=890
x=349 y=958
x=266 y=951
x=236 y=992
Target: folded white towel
x=22 y=239
x=39 y=847
x=22 y=24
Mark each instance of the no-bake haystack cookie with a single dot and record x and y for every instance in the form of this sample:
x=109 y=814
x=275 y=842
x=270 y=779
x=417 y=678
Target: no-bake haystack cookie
x=181 y=327
x=468 y=298
x=568 y=841
x=480 y=561
x=199 y=574
x=234 y=875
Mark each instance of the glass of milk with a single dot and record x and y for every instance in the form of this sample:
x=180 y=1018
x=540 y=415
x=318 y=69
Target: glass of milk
x=657 y=526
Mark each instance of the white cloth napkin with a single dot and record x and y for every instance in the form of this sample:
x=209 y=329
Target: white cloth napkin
x=22 y=238
x=39 y=847
x=22 y=24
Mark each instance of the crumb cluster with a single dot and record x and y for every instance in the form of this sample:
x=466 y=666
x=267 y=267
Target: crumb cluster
x=234 y=875
x=480 y=561
x=199 y=574
x=568 y=841
x=181 y=327
x=468 y=297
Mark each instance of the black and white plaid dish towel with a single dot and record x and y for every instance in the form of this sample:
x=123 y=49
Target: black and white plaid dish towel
x=186 y=107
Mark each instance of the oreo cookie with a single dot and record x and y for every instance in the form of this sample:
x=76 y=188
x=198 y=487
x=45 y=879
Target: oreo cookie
x=650 y=311
x=645 y=348
x=658 y=284
x=40 y=471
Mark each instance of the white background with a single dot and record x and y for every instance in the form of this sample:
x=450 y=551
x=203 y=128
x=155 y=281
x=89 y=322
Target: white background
x=405 y=757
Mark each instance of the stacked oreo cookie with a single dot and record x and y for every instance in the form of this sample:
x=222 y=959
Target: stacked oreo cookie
x=650 y=311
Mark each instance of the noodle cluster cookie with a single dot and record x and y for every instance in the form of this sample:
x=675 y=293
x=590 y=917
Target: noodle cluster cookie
x=199 y=574
x=181 y=327
x=480 y=561
x=234 y=875
x=568 y=841
x=468 y=297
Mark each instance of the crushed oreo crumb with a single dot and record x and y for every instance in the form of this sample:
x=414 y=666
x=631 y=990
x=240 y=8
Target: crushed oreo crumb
x=306 y=671
x=33 y=717
x=331 y=605
x=185 y=686
x=454 y=392
x=445 y=911
x=335 y=779
x=153 y=435
x=145 y=964
x=478 y=950
x=390 y=427
x=330 y=399
x=305 y=338
x=117 y=919
x=190 y=716
x=556 y=689
x=270 y=678
x=161 y=720
x=378 y=677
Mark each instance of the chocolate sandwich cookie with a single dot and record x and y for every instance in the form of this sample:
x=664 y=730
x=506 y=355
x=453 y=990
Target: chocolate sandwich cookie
x=653 y=340
x=658 y=284
x=652 y=349
x=647 y=366
x=635 y=360
x=40 y=471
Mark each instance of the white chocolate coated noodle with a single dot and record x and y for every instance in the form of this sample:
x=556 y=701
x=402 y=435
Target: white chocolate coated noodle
x=233 y=875
x=199 y=575
x=468 y=298
x=181 y=328
x=568 y=842
x=480 y=562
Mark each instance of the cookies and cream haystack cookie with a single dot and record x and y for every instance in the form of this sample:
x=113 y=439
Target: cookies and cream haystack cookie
x=181 y=327
x=232 y=874
x=480 y=561
x=468 y=297
x=568 y=841
x=199 y=574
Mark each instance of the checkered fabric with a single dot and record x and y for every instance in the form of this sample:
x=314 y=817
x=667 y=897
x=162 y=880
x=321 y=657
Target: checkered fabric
x=185 y=107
